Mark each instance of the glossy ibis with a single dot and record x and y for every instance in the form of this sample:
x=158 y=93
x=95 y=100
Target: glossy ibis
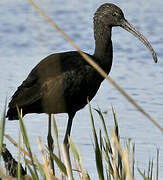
x=61 y=82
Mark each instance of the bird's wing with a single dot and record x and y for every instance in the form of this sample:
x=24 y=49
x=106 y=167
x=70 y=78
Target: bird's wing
x=26 y=93
x=31 y=89
x=46 y=79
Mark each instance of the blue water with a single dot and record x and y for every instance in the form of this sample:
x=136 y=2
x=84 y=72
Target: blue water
x=26 y=38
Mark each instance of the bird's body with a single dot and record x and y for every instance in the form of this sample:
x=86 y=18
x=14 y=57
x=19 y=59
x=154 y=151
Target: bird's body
x=60 y=83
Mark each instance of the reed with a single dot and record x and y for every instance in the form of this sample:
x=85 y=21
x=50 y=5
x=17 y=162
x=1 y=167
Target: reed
x=112 y=161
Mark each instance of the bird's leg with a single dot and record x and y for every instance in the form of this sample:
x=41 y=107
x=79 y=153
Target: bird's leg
x=68 y=130
x=50 y=144
x=66 y=145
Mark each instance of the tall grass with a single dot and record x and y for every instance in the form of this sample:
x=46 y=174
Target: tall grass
x=112 y=161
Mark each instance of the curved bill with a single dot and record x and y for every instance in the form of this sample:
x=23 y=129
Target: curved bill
x=127 y=26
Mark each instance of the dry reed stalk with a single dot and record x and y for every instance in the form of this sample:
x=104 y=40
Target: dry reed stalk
x=45 y=166
x=124 y=155
x=114 y=162
x=16 y=145
x=67 y=161
x=77 y=168
x=82 y=167
x=21 y=149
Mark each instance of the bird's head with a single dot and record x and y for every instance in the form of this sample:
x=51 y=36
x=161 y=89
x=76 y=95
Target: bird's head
x=109 y=15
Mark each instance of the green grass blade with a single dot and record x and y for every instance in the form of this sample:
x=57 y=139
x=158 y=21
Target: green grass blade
x=123 y=174
x=55 y=127
x=56 y=136
x=40 y=169
x=98 y=153
x=99 y=163
x=116 y=124
x=103 y=122
x=2 y=127
x=26 y=140
x=109 y=175
x=19 y=168
x=60 y=164
x=74 y=150
x=105 y=130
x=38 y=165
x=33 y=174
x=101 y=140
x=133 y=159
x=143 y=174
x=24 y=132
x=157 y=164
x=149 y=167
x=151 y=170
x=116 y=129
x=108 y=160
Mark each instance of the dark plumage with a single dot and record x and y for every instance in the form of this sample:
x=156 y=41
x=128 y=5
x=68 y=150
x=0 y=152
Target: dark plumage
x=61 y=82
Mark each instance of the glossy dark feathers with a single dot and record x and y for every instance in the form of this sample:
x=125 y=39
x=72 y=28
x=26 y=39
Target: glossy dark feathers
x=61 y=82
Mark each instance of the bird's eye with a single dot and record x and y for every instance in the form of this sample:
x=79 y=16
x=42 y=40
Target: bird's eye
x=115 y=14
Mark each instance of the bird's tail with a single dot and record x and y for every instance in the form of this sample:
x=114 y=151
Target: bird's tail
x=12 y=114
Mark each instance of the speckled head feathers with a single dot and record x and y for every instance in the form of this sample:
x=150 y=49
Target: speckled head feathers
x=109 y=14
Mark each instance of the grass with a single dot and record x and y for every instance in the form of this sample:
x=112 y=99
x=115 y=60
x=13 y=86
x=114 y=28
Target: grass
x=112 y=161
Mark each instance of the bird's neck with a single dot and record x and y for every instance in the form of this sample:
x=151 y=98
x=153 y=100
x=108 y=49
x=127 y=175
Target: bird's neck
x=103 y=47
x=103 y=43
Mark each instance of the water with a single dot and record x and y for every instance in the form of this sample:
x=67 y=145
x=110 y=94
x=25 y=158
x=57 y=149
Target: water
x=26 y=38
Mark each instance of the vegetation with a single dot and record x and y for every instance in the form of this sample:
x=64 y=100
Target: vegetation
x=112 y=161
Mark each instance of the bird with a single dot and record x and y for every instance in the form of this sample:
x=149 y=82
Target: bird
x=62 y=82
